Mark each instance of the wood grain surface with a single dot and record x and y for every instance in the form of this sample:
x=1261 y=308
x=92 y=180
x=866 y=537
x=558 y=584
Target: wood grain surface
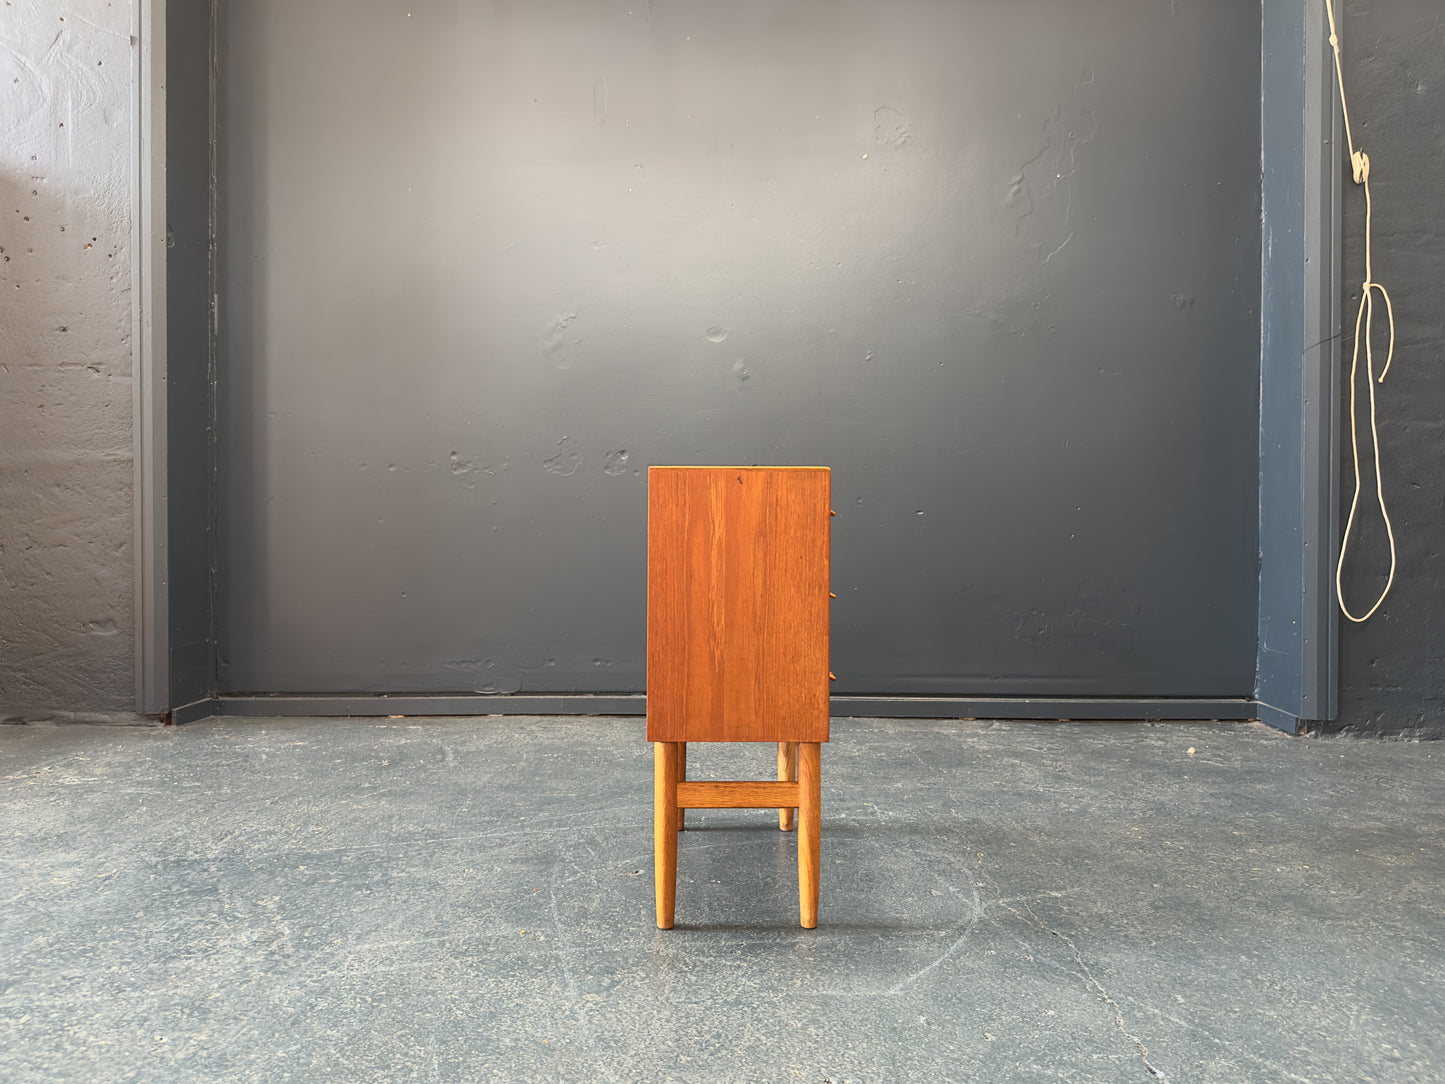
x=737 y=603
x=810 y=832
x=787 y=770
x=739 y=794
x=664 y=831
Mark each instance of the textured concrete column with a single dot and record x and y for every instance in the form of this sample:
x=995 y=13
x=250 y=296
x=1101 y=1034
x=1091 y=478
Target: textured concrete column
x=66 y=461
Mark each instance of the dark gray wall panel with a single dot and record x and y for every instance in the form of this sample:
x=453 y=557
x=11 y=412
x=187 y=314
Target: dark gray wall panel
x=189 y=378
x=997 y=264
x=1392 y=677
x=1299 y=367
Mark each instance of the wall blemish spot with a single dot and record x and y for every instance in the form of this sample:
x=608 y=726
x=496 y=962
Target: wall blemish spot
x=890 y=127
x=567 y=460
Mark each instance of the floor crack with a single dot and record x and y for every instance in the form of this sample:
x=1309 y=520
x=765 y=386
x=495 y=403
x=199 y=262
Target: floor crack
x=1154 y=1070
x=1090 y=982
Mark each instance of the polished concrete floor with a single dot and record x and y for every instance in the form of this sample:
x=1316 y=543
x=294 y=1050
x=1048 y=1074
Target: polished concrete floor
x=459 y=900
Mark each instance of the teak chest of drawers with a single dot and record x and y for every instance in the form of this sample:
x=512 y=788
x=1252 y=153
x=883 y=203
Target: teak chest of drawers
x=737 y=646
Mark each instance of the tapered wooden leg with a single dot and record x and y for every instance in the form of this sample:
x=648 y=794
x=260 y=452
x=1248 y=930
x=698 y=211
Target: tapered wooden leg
x=787 y=772
x=681 y=777
x=810 y=801
x=664 y=829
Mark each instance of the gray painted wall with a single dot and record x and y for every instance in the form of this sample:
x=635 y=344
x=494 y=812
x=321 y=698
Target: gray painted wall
x=1393 y=667
x=66 y=485
x=191 y=376
x=67 y=631
x=996 y=264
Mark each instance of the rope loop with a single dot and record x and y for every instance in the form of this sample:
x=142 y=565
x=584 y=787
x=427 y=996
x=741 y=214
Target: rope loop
x=1364 y=323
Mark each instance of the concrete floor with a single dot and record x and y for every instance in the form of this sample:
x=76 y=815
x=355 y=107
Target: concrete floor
x=320 y=900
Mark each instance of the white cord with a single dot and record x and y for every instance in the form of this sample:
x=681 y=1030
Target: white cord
x=1360 y=165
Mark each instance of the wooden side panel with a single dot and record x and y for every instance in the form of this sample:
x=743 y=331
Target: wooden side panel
x=737 y=603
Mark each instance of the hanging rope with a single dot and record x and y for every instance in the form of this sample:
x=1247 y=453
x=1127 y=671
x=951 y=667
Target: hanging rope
x=1360 y=165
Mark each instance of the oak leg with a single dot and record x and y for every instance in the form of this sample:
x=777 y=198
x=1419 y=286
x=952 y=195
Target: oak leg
x=681 y=776
x=787 y=772
x=810 y=801
x=664 y=829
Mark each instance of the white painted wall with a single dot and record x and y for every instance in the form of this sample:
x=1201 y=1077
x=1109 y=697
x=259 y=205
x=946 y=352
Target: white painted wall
x=67 y=627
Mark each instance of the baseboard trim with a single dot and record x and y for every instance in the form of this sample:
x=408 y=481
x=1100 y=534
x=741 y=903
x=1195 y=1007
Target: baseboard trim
x=200 y=709
x=1063 y=709
x=383 y=705
x=1082 y=709
x=1278 y=718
